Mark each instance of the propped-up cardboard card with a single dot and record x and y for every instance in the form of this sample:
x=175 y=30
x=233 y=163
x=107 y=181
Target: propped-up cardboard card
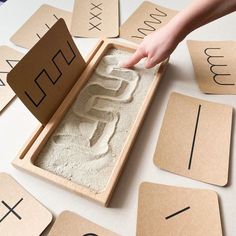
x=145 y=20
x=95 y=18
x=20 y=212
x=194 y=140
x=46 y=74
x=38 y=24
x=214 y=66
x=8 y=59
x=69 y=223
x=167 y=210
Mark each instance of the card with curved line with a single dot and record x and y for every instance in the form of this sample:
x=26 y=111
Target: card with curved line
x=214 y=65
x=38 y=24
x=194 y=140
x=9 y=57
x=146 y=19
x=168 y=210
x=20 y=212
x=69 y=223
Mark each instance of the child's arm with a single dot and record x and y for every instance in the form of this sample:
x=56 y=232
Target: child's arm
x=161 y=43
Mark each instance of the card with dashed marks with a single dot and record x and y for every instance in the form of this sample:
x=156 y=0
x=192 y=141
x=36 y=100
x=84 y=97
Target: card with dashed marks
x=38 y=24
x=169 y=210
x=69 y=223
x=20 y=212
x=145 y=20
x=194 y=140
x=9 y=57
x=95 y=18
x=214 y=65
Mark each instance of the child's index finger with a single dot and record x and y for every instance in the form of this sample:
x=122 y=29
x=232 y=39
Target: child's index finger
x=134 y=59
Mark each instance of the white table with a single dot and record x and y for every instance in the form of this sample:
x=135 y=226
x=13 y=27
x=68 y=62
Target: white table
x=17 y=123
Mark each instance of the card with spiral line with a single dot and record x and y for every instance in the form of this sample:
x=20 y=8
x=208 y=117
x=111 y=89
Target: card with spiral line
x=145 y=20
x=95 y=18
x=38 y=24
x=214 y=65
x=69 y=223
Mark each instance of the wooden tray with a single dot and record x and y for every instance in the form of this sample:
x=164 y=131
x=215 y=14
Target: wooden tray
x=27 y=156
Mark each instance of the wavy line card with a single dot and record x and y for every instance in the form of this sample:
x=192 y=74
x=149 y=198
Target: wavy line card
x=145 y=20
x=38 y=24
x=9 y=57
x=95 y=18
x=20 y=212
x=169 y=210
x=195 y=138
x=71 y=224
x=214 y=65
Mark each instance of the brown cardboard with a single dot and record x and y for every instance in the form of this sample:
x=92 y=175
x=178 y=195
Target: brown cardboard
x=95 y=18
x=214 y=65
x=146 y=19
x=20 y=212
x=8 y=59
x=194 y=140
x=69 y=223
x=38 y=24
x=167 y=210
x=46 y=74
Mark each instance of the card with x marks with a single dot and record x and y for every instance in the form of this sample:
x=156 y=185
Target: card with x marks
x=20 y=212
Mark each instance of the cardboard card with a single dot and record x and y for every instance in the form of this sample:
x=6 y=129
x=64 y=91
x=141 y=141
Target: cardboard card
x=145 y=20
x=194 y=140
x=9 y=57
x=214 y=65
x=48 y=71
x=20 y=212
x=69 y=223
x=95 y=18
x=38 y=24
x=167 y=210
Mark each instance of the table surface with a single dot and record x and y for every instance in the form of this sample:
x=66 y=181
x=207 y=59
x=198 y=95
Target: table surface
x=17 y=124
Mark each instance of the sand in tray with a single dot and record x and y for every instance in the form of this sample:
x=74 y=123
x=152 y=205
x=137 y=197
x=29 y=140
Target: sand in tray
x=87 y=144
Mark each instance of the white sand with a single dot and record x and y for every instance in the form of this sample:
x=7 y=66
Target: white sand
x=86 y=145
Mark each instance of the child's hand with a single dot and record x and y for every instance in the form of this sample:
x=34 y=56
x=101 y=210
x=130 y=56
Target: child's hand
x=157 y=46
x=161 y=43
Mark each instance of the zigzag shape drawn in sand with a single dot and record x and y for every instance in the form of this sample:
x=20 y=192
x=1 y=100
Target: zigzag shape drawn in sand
x=113 y=85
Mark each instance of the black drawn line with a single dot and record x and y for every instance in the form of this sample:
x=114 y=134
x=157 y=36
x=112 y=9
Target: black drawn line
x=6 y=72
x=95 y=16
x=212 y=65
x=96 y=6
x=45 y=73
x=9 y=62
x=1 y=82
x=150 y=24
x=177 y=213
x=38 y=36
x=194 y=137
x=90 y=234
x=47 y=26
x=11 y=210
x=55 y=16
x=95 y=26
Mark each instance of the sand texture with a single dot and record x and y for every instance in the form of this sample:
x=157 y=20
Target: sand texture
x=86 y=145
